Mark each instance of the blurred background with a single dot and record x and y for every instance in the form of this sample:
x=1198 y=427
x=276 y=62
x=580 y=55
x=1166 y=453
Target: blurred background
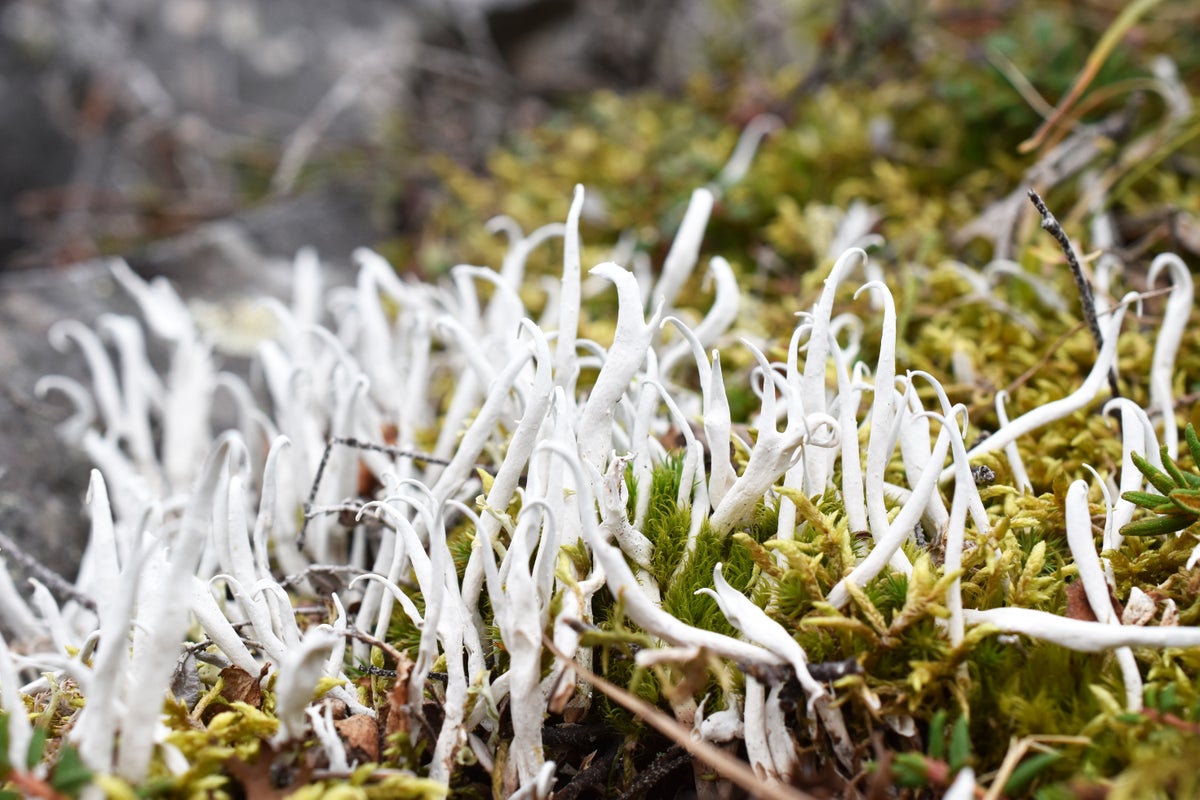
x=207 y=140
x=130 y=121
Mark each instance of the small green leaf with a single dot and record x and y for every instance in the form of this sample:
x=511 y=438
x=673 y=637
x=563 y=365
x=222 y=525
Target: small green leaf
x=1167 y=700
x=910 y=770
x=37 y=745
x=937 y=735
x=960 y=744
x=1147 y=499
x=1157 y=526
x=1187 y=500
x=1158 y=479
x=1027 y=770
x=70 y=774
x=1193 y=480
x=1193 y=443
x=1173 y=469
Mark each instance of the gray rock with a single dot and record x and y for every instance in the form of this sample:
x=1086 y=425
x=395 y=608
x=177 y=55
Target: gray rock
x=44 y=482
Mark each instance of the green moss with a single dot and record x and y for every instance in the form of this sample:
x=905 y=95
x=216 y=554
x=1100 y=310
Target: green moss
x=403 y=633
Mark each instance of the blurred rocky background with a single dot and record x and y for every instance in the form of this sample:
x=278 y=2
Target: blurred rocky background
x=130 y=121
x=207 y=140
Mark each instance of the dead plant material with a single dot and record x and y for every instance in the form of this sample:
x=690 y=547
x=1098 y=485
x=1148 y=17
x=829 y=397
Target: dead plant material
x=241 y=686
x=721 y=762
x=361 y=735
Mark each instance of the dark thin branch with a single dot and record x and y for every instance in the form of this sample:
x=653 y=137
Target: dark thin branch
x=379 y=672
x=1086 y=297
x=830 y=671
x=575 y=735
x=593 y=777
x=321 y=571
x=363 y=636
x=53 y=581
x=666 y=763
x=387 y=450
x=358 y=444
x=724 y=764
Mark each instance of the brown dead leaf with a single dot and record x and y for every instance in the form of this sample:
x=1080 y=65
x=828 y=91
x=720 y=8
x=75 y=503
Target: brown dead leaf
x=577 y=707
x=263 y=779
x=241 y=686
x=397 y=698
x=1079 y=608
x=361 y=735
x=397 y=710
x=1077 y=603
x=255 y=779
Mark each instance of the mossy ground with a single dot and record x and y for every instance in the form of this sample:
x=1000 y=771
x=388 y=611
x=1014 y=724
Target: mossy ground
x=956 y=125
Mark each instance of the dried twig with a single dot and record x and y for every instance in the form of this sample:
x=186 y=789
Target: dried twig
x=1068 y=157
x=1086 y=297
x=722 y=763
x=1100 y=53
x=53 y=581
x=593 y=775
x=341 y=96
x=323 y=572
x=389 y=649
x=1012 y=73
x=666 y=763
x=830 y=671
x=349 y=441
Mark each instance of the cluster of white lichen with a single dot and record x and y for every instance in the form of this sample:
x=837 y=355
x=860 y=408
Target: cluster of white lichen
x=193 y=533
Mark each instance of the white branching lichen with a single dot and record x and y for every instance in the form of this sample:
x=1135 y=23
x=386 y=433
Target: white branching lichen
x=528 y=426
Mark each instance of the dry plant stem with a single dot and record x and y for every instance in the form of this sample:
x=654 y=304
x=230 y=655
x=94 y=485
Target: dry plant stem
x=1112 y=37
x=398 y=656
x=358 y=444
x=999 y=221
x=664 y=765
x=1153 y=160
x=322 y=570
x=1086 y=298
x=1017 y=79
x=724 y=764
x=1017 y=750
x=304 y=139
x=44 y=574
